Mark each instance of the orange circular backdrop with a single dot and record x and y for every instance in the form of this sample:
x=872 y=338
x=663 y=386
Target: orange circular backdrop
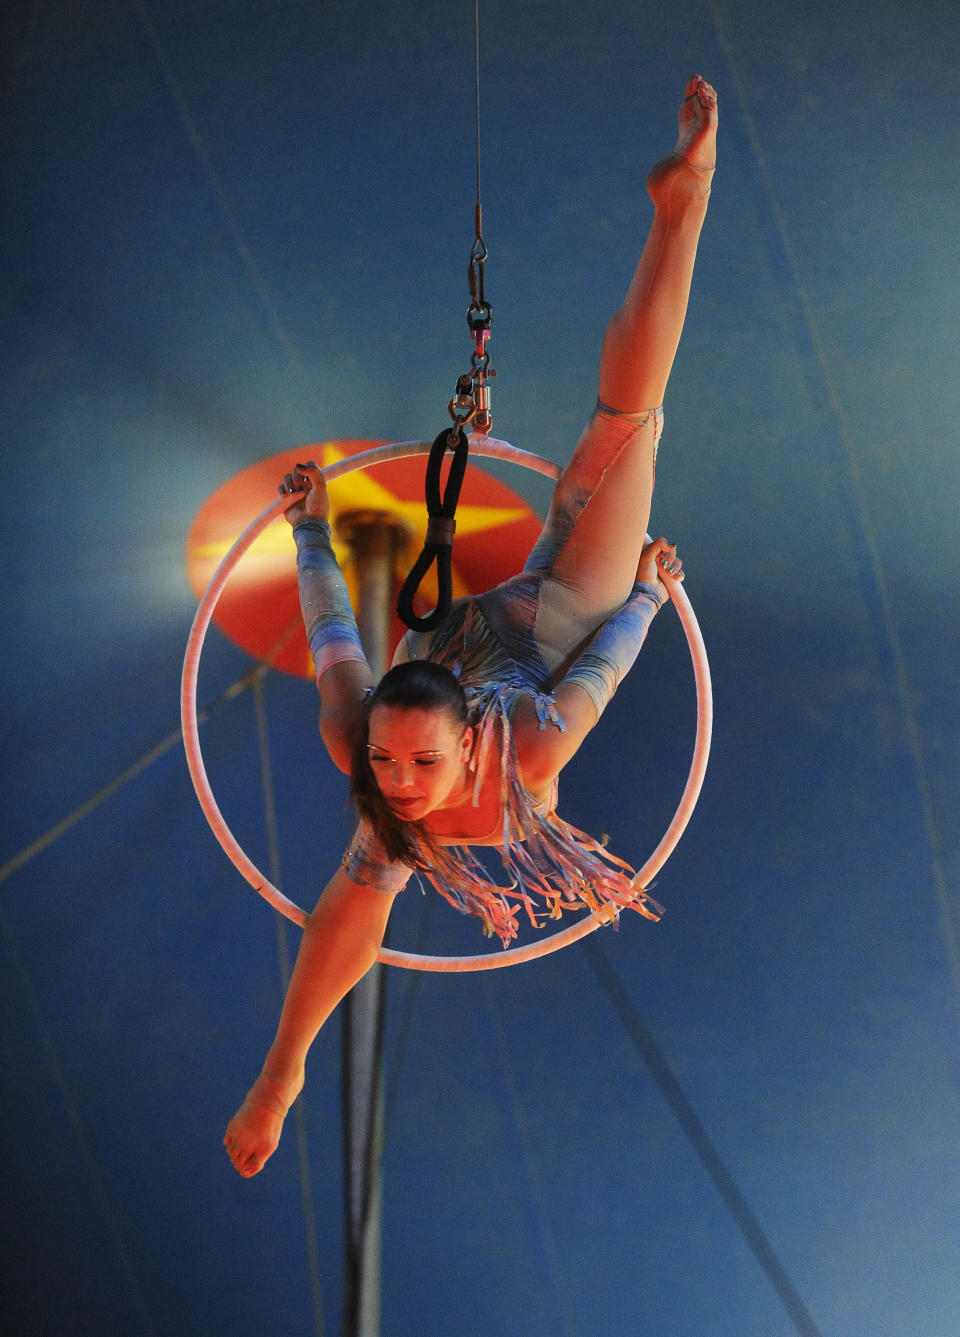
x=260 y=610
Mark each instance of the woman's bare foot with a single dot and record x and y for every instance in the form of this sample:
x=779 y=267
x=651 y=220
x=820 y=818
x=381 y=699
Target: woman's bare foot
x=689 y=168
x=254 y=1131
x=697 y=140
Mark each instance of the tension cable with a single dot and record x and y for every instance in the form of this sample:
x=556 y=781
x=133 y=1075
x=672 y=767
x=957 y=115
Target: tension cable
x=470 y=406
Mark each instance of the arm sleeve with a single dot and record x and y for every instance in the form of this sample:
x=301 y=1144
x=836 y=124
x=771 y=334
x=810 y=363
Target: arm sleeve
x=366 y=863
x=331 y=626
x=614 y=647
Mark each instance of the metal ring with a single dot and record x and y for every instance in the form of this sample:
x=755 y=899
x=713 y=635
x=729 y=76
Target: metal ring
x=495 y=960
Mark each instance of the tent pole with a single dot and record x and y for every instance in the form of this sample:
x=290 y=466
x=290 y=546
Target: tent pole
x=374 y=538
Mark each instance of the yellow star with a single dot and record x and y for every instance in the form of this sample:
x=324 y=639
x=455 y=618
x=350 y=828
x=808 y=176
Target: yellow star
x=360 y=491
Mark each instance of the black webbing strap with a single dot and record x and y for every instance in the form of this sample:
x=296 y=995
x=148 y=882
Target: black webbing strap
x=440 y=528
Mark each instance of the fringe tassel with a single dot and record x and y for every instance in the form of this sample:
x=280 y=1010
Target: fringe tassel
x=551 y=866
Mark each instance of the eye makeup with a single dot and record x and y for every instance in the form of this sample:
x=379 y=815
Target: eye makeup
x=379 y=755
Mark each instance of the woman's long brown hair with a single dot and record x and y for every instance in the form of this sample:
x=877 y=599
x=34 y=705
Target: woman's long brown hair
x=418 y=684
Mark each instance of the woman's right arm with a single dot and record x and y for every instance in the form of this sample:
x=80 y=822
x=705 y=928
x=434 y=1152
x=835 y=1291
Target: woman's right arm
x=591 y=680
x=342 y=673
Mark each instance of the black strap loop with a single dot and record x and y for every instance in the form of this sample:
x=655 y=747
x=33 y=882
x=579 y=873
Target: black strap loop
x=440 y=526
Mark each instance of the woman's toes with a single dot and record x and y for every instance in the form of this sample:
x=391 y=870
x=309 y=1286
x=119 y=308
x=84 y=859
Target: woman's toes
x=253 y=1162
x=240 y=1157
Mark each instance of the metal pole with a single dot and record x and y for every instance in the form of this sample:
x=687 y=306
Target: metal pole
x=374 y=537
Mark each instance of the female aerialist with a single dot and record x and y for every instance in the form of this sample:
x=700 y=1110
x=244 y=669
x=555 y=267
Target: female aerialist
x=462 y=741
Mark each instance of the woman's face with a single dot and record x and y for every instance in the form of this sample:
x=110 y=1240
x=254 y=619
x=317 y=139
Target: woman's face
x=418 y=758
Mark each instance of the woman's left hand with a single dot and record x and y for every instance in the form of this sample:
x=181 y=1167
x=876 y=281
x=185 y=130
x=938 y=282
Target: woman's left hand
x=659 y=566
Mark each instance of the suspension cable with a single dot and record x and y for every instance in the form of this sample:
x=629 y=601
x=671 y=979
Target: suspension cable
x=473 y=387
x=476 y=104
x=470 y=406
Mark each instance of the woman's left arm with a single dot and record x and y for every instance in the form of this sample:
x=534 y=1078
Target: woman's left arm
x=591 y=681
x=342 y=673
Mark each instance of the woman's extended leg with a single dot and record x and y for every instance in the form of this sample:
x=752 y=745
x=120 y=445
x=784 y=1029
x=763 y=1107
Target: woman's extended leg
x=340 y=943
x=592 y=541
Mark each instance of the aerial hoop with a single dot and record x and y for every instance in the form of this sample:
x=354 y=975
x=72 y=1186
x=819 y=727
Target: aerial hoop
x=501 y=450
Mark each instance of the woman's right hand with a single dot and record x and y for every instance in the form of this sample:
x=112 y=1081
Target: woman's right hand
x=315 y=502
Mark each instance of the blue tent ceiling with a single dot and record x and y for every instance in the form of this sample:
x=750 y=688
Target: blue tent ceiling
x=238 y=227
